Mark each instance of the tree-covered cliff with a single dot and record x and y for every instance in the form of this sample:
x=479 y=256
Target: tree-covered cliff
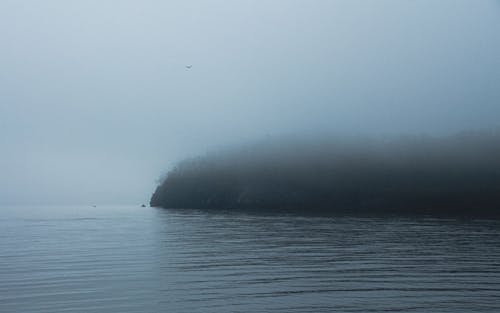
x=415 y=174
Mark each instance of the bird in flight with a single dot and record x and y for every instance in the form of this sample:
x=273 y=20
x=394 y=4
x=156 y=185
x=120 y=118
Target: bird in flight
x=189 y=67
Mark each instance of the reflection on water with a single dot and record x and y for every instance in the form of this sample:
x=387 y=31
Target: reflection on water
x=131 y=259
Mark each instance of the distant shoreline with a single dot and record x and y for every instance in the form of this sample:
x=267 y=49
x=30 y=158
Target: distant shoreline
x=455 y=175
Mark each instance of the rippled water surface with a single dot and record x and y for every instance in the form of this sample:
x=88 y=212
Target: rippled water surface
x=132 y=259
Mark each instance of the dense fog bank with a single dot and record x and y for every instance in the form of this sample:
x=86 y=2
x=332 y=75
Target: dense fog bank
x=414 y=174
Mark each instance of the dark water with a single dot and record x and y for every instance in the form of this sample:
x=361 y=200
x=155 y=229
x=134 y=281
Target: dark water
x=131 y=259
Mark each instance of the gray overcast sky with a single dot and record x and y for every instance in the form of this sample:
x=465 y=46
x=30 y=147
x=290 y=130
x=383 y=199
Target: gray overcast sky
x=96 y=102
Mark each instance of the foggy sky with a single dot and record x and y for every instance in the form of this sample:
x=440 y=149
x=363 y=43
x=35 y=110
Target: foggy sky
x=96 y=102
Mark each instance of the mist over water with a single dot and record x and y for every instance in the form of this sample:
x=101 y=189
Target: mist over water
x=233 y=102
x=96 y=102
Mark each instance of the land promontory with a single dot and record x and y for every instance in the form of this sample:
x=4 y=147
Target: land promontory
x=458 y=174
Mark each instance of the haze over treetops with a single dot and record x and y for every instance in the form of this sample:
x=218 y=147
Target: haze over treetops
x=412 y=174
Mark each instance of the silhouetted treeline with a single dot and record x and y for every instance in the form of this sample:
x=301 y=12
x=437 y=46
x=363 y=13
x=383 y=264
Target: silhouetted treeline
x=415 y=174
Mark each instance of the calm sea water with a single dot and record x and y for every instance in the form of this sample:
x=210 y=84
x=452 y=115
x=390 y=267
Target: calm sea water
x=132 y=259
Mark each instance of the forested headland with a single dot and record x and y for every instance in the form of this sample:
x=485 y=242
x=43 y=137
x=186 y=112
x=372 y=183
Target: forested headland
x=457 y=174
